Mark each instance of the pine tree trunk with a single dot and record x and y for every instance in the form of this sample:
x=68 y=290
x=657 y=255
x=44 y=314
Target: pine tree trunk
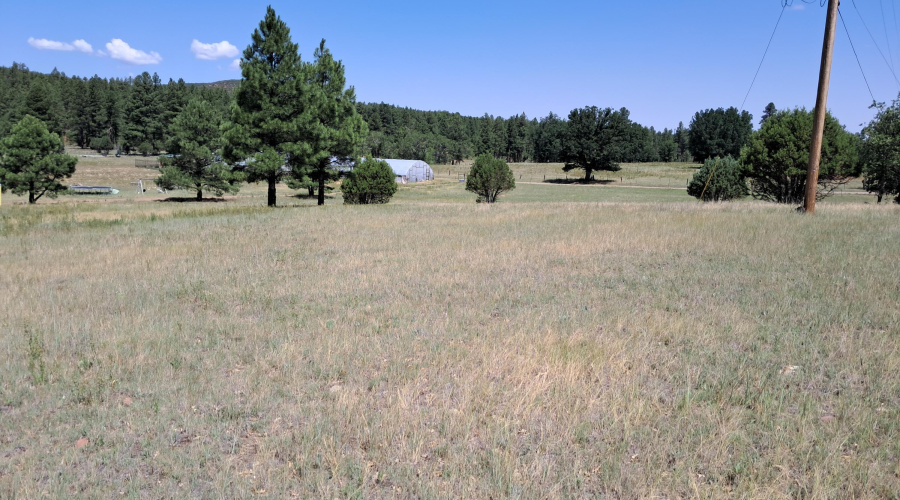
x=321 y=190
x=199 y=195
x=31 y=199
x=271 y=192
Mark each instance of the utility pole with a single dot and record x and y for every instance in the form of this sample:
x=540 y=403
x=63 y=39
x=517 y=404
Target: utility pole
x=815 y=152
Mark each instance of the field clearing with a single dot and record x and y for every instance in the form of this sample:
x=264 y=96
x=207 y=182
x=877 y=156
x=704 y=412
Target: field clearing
x=570 y=341
x=536 y=182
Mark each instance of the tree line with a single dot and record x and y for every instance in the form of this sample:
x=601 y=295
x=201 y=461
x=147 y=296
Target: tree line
x=290 y=120
x=135 y=115
x=131 y=114
x=444 y=138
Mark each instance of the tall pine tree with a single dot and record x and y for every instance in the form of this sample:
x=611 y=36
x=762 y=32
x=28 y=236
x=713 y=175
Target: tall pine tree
x=271 y=109
x=336 y=130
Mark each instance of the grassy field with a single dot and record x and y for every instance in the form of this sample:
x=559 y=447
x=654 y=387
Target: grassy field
x=605 y=341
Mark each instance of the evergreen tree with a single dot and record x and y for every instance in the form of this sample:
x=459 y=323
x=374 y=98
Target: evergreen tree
x=335 y=130
x=516 y=138
x=719 y=132
x=489 y=177
x=768 y=112
x=144 y=118
x=880 y=154
x=486 y=136
x=776 y=157
x=40 y=104
x=683 y=142
x=372 y=181
x=195 y=139
x=32 y=160
x=272 y=112
x=720 y=179
x=548 y=140
x=668 y=149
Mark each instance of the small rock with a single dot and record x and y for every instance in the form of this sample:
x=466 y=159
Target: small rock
x=335 y=388
x=787 y=370
x=127 y=401
x=81 y=443
x=827 y=418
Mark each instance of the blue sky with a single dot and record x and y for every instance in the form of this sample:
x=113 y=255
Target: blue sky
x=663 y=60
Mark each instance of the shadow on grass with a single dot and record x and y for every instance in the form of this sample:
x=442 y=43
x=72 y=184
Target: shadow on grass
x=189 y=199
x=578 y=181
x=301 y=196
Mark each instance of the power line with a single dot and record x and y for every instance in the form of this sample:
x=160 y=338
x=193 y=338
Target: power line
x=890 y=68
x=896 y=25
x=886 y=37
x=857 y=57
x=784 y=6
x=788 y=3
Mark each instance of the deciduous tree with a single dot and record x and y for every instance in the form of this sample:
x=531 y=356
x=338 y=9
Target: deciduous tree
x=595 y=139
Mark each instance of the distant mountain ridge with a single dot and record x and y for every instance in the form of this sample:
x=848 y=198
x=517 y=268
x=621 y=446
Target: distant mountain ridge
x=228 y=85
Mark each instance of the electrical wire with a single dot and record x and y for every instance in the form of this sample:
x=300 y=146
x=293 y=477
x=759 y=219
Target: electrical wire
x=886 y=37
x=896 y=25
x=788 y=3
x=857 y=57
x=890 y=68
x=784 y=6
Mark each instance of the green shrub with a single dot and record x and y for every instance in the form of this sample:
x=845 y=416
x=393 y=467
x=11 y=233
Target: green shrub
x=146 y=149
x=101 y=145
x=725 y=180
x=489 y=177
x=372 y=181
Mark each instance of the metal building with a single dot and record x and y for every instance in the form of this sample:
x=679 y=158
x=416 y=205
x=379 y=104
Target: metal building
x=410 y=170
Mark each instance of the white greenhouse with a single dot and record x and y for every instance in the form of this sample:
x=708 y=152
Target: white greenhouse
x=410 y=170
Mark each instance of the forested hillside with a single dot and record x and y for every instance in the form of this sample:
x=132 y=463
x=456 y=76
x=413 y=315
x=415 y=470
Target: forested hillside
x=135 y=114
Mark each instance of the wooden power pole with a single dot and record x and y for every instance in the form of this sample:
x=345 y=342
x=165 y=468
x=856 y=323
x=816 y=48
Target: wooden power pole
x=815 y=151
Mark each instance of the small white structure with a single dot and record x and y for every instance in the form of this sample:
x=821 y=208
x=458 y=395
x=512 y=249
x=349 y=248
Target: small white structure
x=410 y=170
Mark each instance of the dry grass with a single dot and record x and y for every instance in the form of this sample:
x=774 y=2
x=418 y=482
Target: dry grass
x=439 y=348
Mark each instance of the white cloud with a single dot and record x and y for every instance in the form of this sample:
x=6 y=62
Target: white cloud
x=82 y=46
x=121 y=51
x=235 y=65
x=211 y=51
x=798 y=7
x=44 y=44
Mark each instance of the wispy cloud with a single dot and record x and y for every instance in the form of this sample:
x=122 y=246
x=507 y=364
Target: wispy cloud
x=119 y=50
x=211 y=51
x=44 y=44
x=235 y=65
x=798 y=7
